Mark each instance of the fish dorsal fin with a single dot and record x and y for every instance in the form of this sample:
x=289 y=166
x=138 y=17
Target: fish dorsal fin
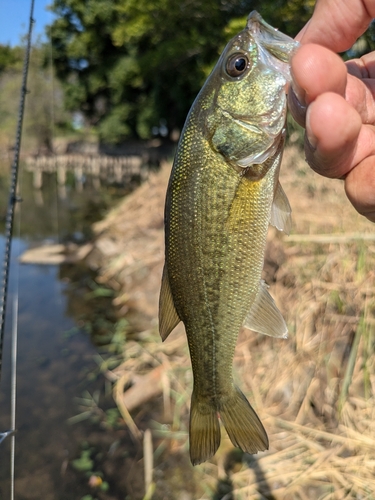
x=168 y=317
x=264 y=316
x=281 y=211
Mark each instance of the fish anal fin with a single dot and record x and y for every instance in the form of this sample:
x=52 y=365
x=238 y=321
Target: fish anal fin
x=242 y=424
x=264 y=316
x=168 y=317
x=204 y=430
x=281 y=212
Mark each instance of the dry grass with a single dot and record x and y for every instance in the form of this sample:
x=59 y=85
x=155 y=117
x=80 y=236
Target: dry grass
x=315 y=391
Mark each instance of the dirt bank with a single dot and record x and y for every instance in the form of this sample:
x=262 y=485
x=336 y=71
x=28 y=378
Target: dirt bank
x=314 y=391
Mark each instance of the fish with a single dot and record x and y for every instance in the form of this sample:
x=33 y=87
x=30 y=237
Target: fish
x=222 y=195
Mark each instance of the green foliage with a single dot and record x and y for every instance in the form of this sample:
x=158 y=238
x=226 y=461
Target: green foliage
x=113 y=417
x=91 y=411
x=288 y=16
x=84 y=462
x=44 y=102
x=131 y=65
x=10 y=87
x=10 y=57
x=364 y=44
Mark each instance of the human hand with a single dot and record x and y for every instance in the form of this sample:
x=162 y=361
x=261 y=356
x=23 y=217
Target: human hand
x=335 y=101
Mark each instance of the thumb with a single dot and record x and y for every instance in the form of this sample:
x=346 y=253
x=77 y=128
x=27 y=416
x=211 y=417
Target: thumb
x=337 y=25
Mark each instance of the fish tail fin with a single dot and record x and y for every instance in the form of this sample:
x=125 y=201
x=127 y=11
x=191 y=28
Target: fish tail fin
x=204 y=430
x=242 y=424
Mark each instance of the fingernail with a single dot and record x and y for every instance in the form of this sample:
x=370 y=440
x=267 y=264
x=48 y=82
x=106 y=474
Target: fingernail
x=299 y=93
x=297 y=109
x=312 y=140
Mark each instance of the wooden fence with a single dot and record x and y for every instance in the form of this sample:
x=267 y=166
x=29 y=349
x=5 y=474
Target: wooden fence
x=114 y=169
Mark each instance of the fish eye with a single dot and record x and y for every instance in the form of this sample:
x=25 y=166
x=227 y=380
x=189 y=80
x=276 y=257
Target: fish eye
x=237 y=64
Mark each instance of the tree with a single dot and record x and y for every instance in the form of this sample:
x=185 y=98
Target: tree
x=130 y=65
x=10 y=57
x=44 y=103
x=44 y=110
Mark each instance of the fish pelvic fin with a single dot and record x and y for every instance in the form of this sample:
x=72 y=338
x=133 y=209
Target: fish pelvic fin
x=168 y=317
x=242 y=424
x=204 y=430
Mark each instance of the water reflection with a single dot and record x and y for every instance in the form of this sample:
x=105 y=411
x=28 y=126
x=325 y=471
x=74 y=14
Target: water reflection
x=53 y=368
x=62 y=212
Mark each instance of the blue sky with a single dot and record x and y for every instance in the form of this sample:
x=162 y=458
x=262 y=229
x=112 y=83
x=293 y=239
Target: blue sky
x=14 y=19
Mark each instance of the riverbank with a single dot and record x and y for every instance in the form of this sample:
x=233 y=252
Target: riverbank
x=314 y=392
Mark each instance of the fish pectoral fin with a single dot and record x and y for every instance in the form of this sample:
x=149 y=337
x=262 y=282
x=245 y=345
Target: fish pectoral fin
x=281 y=211
x=264 y=316
x=168 y=317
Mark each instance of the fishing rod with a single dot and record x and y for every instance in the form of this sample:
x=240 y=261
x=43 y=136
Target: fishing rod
x=13 y=189
x=6 y=265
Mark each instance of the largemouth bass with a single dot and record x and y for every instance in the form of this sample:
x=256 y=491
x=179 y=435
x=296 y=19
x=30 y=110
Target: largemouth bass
x=222 y=195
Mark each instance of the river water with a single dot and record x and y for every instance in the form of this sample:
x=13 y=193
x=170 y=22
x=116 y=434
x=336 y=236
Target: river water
x=56 y=357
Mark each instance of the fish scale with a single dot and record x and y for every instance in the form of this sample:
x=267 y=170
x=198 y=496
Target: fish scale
x=223 y=193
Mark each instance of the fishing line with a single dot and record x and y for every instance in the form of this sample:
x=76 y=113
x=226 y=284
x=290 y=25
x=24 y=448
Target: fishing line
x=13 y=394
x=52 y=126
x=59 y=183
x=13 y=375
x=13 y=189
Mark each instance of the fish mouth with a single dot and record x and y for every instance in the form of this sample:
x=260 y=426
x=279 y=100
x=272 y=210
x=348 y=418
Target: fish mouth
x=275 y=48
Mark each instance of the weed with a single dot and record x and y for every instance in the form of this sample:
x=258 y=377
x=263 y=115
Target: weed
x=314 y=392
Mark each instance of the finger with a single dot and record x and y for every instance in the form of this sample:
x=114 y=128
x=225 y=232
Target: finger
x=360 y=89
x=315 y=70
x=360 y=187
x=360 y=95
x=336 y=140
x=337 y=25
x=333 y=128
x=363 y=67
